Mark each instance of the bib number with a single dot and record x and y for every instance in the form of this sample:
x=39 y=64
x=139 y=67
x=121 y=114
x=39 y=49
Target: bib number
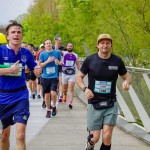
x=69 y=63
x=50 y=70
x=102 y=87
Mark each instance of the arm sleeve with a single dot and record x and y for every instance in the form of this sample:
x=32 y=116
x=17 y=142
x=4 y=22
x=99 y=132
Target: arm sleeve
x=85 y=66
x=31 y=63
x=122 y=68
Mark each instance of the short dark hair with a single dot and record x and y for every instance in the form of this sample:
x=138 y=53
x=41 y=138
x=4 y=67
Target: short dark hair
x=31 y=45
x=13 y=23
x=46 y=40
x=69 y=43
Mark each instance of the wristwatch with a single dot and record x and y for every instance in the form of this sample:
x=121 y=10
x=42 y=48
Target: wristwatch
x=84 y=88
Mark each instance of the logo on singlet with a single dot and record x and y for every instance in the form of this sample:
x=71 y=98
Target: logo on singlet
x=5 y=58
x=23 y=58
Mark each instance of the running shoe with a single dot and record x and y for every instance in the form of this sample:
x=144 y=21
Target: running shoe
x=48 y=115
x=60 y=99
x=70 y=104
x=38 y=96
x=33 y=96
x=54 y=111
x=43 y=104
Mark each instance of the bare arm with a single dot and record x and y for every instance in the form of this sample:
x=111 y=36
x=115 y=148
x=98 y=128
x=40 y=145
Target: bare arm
x=38 y=69
x=4 y=71
x=50 y=59
x=79 y=80
x=78 y=64
x=58 y=62
x=127 y=81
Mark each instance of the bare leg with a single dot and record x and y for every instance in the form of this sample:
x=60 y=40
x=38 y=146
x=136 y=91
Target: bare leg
x=60 y=86
x=47 y=100
x=71 y=90
x=20 y=136
x=107 y=134
x=4 y=141
x=54 y=96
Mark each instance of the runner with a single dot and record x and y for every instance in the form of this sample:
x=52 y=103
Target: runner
x=50 y=59
x=14 y=95
x=70 y=62
x=58 y=46
x=39 y=87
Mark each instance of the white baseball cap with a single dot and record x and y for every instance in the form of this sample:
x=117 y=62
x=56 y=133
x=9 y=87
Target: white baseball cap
x=42 y=45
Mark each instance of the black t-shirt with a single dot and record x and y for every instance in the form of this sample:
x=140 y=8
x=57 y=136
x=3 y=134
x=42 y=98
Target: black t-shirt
x=61 y=48
x=102 y=75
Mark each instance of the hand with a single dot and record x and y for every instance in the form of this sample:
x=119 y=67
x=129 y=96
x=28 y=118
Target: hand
x=56 y=61
x=38 y=69
x=15 y=68
x=125 y=85
x=88 y=93
x=50 y=59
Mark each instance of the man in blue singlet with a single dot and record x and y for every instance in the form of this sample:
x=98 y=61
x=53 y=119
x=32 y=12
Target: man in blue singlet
x=50 y=59
x=14 y=95
x=103 y=69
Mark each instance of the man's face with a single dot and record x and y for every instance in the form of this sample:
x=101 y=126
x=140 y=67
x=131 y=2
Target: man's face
x=14 y=35
x=104 y=46
x=59 y=41
x=48 y=45
x=69 y=47
x=30 y=48
x=24 y=45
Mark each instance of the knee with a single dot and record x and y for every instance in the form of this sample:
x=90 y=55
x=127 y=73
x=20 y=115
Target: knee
x=20 y=136
x=5 y=137
x=93 y=138
x=53 y=93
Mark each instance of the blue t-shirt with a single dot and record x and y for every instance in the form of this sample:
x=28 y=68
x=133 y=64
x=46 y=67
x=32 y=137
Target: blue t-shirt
x=12 y=82
x=50 y=70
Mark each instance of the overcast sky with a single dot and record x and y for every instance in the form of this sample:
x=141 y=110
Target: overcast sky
x=11 y=9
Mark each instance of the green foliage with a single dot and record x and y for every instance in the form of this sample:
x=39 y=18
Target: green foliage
x=81 y=21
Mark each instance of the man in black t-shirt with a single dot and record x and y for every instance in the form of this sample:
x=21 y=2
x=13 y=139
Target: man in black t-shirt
x=58 y=46
x=102 y=69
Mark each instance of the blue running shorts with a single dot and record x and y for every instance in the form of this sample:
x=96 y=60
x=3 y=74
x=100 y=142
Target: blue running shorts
x=15 y=112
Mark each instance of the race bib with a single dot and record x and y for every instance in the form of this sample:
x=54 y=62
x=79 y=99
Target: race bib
x=69 y=63
x=50 y=70
x=102 y=87
x=20 y=70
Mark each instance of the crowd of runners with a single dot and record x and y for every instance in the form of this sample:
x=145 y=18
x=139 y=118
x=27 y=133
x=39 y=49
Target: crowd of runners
x=48 y=73
x=57 y=81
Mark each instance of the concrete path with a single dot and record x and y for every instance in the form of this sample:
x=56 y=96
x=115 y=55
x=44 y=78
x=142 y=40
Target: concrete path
x=67 y=130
